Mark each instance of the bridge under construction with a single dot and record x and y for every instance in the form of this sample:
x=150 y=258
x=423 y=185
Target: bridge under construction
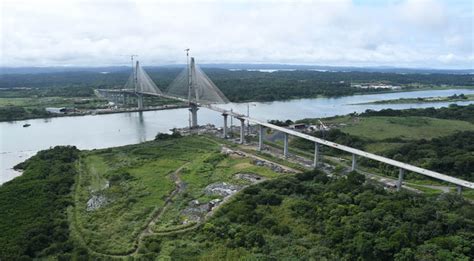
x=193 y=87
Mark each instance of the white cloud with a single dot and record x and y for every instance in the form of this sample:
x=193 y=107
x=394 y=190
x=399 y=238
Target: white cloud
x=102 y=32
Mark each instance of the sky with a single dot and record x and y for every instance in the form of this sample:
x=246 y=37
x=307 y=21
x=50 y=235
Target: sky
x=396 y=33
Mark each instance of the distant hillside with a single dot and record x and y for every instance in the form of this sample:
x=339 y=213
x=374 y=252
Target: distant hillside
x=239 y=66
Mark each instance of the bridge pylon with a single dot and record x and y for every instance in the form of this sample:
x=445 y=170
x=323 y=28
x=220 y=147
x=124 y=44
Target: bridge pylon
x=193 y=108
x=140 y=101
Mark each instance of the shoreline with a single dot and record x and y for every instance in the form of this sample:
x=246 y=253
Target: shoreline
x=176 y=106
x=419 y=100
x=101 y=111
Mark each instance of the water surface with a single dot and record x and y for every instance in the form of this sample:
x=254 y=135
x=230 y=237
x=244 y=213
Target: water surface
x=109 y=130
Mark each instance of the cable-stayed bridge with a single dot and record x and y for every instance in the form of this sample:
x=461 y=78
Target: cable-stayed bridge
x=194 y=87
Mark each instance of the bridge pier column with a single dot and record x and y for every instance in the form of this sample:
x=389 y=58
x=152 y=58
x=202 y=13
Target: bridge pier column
x=285 y=146
x=224 y=129
x=354 y=162
x=316 y=155
x=260 y=138
x=401 y=173
x=193 y=108
x=459 y=189
x=242 y=130
x=140 y=101
x=231 y=128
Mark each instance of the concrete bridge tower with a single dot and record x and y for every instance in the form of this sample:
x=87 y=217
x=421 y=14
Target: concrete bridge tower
x=137 y=89
x=192 y=91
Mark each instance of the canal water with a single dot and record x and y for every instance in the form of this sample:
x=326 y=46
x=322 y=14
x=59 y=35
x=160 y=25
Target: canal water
x=109 y=130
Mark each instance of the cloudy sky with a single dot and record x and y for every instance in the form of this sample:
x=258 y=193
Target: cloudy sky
x=408 y=33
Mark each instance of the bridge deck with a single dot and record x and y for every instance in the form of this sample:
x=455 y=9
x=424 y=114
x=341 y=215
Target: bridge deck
x=354 y=151
x=358 y=152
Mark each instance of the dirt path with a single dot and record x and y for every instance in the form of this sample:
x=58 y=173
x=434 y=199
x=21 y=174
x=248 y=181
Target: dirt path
x=255 y=157
x=159 y=212
x=391 y=181
x=385 y=180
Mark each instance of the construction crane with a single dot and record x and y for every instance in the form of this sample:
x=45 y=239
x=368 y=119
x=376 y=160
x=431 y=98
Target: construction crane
x=322 y=124
x=323 y=129
x=131 y=58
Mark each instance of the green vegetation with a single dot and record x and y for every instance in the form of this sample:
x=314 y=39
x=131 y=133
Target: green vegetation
x=20 y=104
x=197 y=175
x=310 y=216
x=30 y=108
x=33 y=219
x=25 y=96
x=245 y=85
x=452 y=155
x=141 y=179
x=48 y=90
x=281 y=123
x=283 y=85
x=436 y=139
x=138 y=190
x=164 y=136
x=12 y=113
x=452 y=98
x=31 y=103
x=148 y=167
x=405 y=128
x=131 y=202
x=453 y=112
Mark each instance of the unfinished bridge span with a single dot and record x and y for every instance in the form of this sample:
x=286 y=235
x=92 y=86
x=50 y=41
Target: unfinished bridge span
x=193 y=87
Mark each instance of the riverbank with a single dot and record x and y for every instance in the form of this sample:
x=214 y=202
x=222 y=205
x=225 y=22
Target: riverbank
x=99 y=112
x=437 y=139
x=173 y=198
x=118 y=129
x=26 y=106
x=453 y=98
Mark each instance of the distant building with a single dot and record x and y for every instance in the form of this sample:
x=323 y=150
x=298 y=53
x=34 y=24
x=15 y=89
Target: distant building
x=298 y=126
x=55 y=110
x=376 y=86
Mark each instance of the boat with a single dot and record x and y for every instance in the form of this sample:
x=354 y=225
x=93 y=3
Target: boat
x=26 y=125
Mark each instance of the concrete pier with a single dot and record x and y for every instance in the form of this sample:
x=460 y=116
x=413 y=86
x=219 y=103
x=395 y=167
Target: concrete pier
x=285 y=146
x=193 y=108
x=224 y=129
x=316 y=155
x=242 y=131
x=401 y=173
x=459 y=189
x=260 y=137
x=354 y=162
x=140 y=101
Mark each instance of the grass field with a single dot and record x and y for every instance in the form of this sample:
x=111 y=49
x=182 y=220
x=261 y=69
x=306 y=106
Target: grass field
x=136 y=181
x=200 y=173
x=468 y=97
x=42 y=102
x=406 y=128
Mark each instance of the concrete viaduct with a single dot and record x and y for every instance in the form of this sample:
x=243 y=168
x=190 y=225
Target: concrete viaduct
x=198 y=87
x=321 y=142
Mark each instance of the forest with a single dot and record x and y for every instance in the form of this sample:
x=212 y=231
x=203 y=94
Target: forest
x=294 y=217
x=453 y=111
x=312 y=217
x=450 y=154
x=238 y=86
x=33 y=218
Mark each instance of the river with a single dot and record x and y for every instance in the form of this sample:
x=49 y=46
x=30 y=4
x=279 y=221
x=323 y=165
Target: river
x=110 y=130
